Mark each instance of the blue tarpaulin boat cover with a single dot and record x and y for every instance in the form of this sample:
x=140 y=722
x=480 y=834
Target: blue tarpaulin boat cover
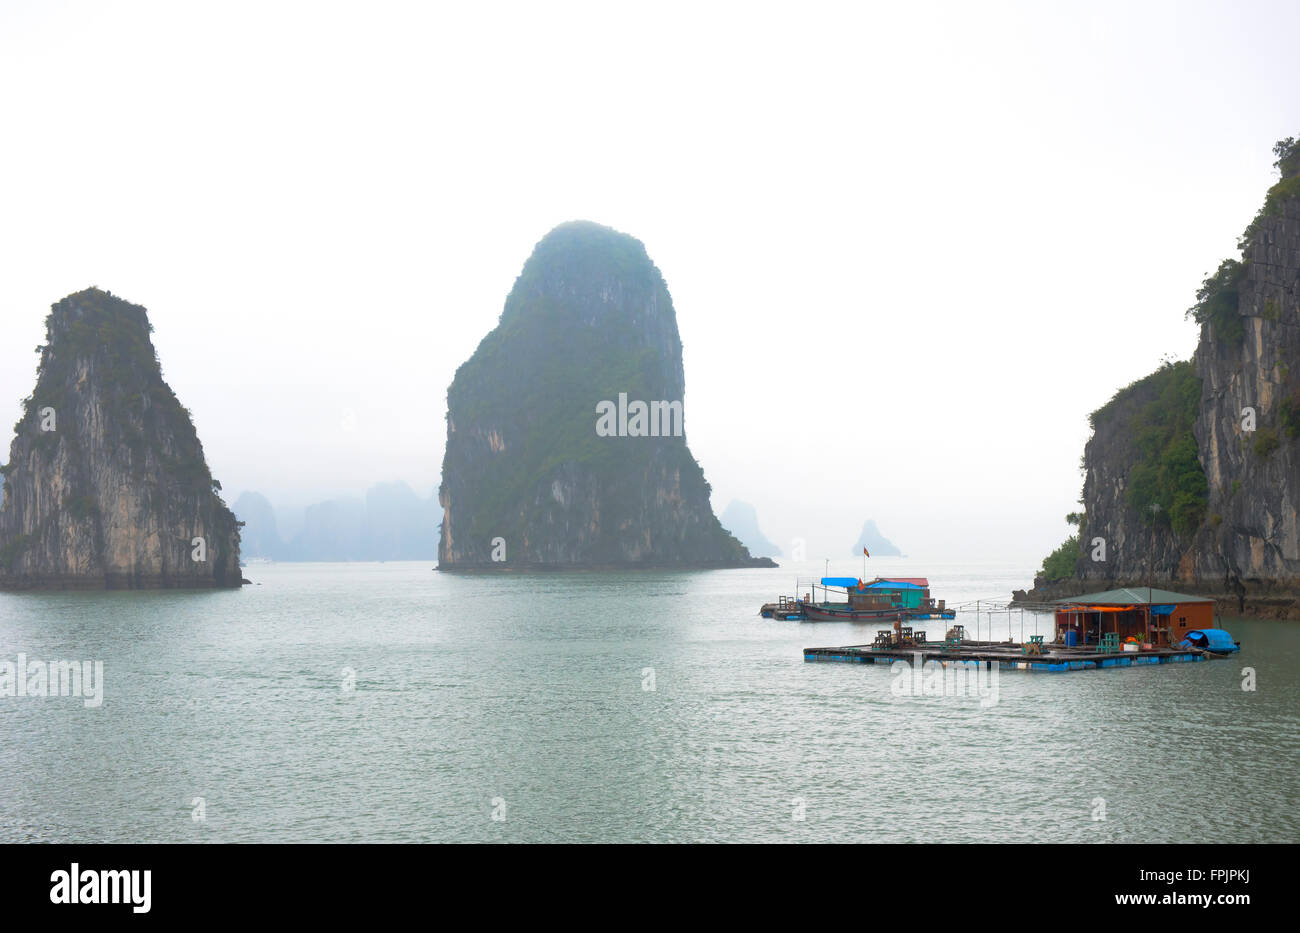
x=1211 y=639
x=839 y=581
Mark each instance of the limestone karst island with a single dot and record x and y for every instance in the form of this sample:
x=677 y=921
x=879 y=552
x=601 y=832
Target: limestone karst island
x=106 y=486
x=566 y=443
x=1192 y=475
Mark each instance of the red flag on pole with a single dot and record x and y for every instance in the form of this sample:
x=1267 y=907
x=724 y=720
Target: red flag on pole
x=864 y=551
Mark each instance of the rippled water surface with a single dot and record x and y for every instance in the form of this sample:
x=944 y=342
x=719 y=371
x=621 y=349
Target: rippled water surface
x=527 y=697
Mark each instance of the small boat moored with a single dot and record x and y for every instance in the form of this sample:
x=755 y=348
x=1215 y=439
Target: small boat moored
x=1214 y=641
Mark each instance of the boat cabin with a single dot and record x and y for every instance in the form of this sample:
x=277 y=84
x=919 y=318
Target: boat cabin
x=901 y=594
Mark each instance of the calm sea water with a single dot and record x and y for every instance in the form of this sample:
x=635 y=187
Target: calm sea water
x=520 y=708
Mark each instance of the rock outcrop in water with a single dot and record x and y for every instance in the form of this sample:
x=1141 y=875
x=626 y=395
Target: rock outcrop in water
x=106 y=484
x=1193 y=473
x=566 y=445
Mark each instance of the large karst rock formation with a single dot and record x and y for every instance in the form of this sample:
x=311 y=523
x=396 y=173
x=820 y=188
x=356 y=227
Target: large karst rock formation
x=106 y=484
x=1192 y=475
x=565 y=439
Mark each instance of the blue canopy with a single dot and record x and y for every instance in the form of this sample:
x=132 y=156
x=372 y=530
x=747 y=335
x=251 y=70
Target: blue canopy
x=839 y=581
x=1162 y=610
x=892 y=585
x=1211 y=639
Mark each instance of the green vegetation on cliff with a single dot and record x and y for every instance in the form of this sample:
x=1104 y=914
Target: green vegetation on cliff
x=1218 y=299
x=1059 y=565
x=1288 y=168
x=1166 y=483
x=1289 y=415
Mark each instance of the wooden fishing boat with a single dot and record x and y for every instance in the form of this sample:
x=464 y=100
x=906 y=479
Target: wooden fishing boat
x=848 y=599
x=829 y=612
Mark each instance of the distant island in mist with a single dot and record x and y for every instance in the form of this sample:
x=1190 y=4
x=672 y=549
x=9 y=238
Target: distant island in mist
x=741 y=519
x=875 y=542
x=391 y=522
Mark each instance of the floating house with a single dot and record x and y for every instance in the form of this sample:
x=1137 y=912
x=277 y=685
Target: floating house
x=1141 y=613
x=905 y=592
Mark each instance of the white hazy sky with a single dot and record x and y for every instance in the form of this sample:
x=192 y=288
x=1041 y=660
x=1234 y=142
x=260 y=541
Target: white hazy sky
x=923 y=240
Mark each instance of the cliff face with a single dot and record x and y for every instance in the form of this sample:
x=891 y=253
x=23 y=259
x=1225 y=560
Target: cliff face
x=1193 y=473
x=1144 y=489
x=106 y=484
x=551 y=461
x=1254 y=477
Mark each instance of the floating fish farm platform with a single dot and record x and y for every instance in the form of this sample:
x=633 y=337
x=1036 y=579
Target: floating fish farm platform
x=1008 y=655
